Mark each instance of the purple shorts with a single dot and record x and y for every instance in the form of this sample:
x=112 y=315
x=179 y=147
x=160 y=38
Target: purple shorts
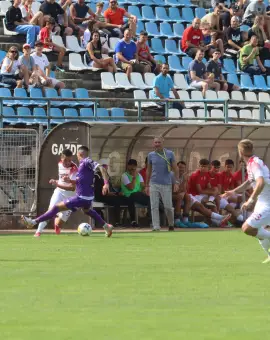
x=76 y=202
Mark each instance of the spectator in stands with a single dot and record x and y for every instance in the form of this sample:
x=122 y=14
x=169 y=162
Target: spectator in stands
x=65 y=4
x=78 y=12
x=256 y=7
x=27 y=60
x=94 y=57
x=258 y=30
x=198 y=76
x=144 y=55
x=44 y=68
x=99 y=8
x=162 y=86
x=115 y=15
x=29 y=16
x=132 y=186
x=192 y=39
x=240 y=175
x=126 y=56
x=213 y=67
x=46 y=38
x=12 y=72
x=143 y=170
x=53 y=9
x=248 y=54
x=234 y=38
x=213 y=20
x=16 y=23
x=210 y=42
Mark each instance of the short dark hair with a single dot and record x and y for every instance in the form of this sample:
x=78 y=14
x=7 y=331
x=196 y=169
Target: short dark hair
x=229 y=162
x=217 y=50
x=132 y=162
x=204 y=161
x=165 y=64
x=144 y=33
x=67 y=153
x=83 y=148
x=215 y=163
x=181 y=162
x=50 y=21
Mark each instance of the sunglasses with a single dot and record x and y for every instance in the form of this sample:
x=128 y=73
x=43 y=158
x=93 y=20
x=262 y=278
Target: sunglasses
x=13 y=51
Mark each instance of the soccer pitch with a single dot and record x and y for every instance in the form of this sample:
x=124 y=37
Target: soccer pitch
x=134 y=286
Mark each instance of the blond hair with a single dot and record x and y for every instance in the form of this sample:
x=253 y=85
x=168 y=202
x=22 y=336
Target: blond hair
x=245 y=146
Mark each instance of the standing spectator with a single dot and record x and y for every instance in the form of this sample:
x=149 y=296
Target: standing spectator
x=44 y=66
x=126 y=56
x=161 y=162
x=213 y=67
x=198 y=75
x=248 y=54
x=144 y=55
x=29 y=16
x=94 y=55
x=16 y=23
x=234 y=38
x=53 y=9
x=162 y=86
x=115 y=15
x=256 y=7
x=258 y=30
x=78 y=12
x=192 y=39
x=46 y=38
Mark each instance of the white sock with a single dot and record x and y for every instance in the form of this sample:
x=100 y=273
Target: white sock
x=265 y=245
x=41 y=226
x=263 y=234
x=211 y=198
x=215 y=216
x=240 y=218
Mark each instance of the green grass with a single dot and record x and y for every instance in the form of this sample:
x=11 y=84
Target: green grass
x=145 y=286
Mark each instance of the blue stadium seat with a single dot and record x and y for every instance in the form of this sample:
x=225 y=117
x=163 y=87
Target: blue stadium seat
x=140 y=27
x=159 y=2
x=186 y=61
x=187 y=15
x=9 y=111
x=186 y=3
x=2 y=55
x=103 y=114
x=232 y=78
x=52 y=93
x=267 y=63
x=40 y=116
x=180 y=50
x=37 y=93
x=166 y=30
x=87 y=113
x=25 y=111
x=134 y=10
x=178 y=30
x=118 y=113
x=68 y=94
x=19 y=92
x=70 y=113
x=172 y=3
x=268 y=81
x=156 y=46
x=200 y=12
x=174 y=14
x=82 y=93
x=229 y=66
x=260 y=84
x=161 y=14
x=171 y=47
x=160 y=58
x=246 y=82
x=54 y=113
x=4 y=92
x=148 y=14
x=152 y=29
x=175 y=64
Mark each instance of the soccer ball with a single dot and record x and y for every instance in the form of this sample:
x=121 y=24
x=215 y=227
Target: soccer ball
x=84 y=229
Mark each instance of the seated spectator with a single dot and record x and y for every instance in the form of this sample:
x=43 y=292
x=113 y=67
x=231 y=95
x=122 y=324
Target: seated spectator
x=162 y=86
x=12 y=72
x=53 y=9
x=240 y=175
x=99 y=8
x=132 y=186
x=198 y=76
x=258 y=30
x=144 y=55
x=43 y=64
x=46 y=39
x=29 y=16
x=234 y=38
x=78 y=13
x=248 y=54
x=143 y=171
x=255 y=8
x=213 y=20
x=65 y=4
x=27 y=61
x=126 y=56
x=115 y=15
x=213 y=67
x=210 y=42
x=93 y=55
x=192 y=39
x=15 y=22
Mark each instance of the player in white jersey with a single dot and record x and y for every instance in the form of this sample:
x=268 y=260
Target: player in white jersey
x=62 y=191
x=259 y=180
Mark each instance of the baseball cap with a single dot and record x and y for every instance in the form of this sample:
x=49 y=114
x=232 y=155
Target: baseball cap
x=26 y=45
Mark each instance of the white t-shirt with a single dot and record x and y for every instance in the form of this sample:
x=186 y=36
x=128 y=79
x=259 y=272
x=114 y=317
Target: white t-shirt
x=41 y=61
x=255 y=169
x=86 y=37
x=24 y=12
x=71 y=172
x=7 y=62
x=125 y=180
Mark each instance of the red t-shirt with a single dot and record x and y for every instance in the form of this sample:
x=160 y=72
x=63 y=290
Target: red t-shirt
x=195 y=178
x=143 y=174
x=214 y=181
x=115 y=17
x=45 y=34
x=237 y=177
x=192 y=35
x=226 y=180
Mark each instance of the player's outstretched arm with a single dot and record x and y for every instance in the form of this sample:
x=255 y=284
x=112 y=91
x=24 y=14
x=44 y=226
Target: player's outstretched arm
x=239 y=190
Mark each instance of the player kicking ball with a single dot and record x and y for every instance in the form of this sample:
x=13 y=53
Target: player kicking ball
x=84 y=193
x=259 y=180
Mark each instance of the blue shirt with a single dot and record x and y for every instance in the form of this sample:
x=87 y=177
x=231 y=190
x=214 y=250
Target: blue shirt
x=164 y=85
x=161 y=168
x=199 y=68
x=128 y=50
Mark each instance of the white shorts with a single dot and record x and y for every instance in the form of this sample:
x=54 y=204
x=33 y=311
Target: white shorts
x=60 y=196
x=260 y=217
x=199 y=198
x=54 y=81
x=197 y=84
x=223 y=203
x=193 y=200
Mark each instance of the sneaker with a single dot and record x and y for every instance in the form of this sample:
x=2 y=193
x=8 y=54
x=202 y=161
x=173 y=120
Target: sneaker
x=57 y=229
x=60 y=68
x=156 y=229
x=28 y=222
x=37 y=234
x=210 y=204
x=134 y=224
x=108 y=230
x=171 y=228
x=179 y=224
x=267 y=260
x=224 y=222
x=196 y=225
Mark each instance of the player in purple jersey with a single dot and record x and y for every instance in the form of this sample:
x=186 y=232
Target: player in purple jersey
x=84 y=193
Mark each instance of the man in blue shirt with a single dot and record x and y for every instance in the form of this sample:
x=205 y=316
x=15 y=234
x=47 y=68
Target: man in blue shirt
x=162 y=85
x=126 y=56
